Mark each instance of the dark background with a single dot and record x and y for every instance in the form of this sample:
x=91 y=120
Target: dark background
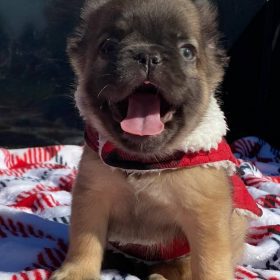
x=36 y=82
x=251 y=87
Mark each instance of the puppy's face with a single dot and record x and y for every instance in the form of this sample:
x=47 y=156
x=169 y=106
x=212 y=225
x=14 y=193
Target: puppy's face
x=145 y=69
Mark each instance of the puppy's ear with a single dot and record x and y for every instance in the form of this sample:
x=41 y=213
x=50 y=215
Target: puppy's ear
x=208 y=15
x=92 y=6
x=75 y=49
x=201 y=2
x=76 y=44
x=217 y=59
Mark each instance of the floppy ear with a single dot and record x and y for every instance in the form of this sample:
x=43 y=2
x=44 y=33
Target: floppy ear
x=201 y=1
x=208 y=13
x=91 y=6
x=76 y=46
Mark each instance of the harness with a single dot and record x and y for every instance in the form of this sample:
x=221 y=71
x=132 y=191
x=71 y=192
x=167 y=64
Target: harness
x=220 y=157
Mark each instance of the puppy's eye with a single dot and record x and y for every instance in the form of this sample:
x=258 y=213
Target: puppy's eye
x=109 y=46
x=188 y=51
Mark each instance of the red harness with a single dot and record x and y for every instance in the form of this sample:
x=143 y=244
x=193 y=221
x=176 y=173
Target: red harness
x=114 y=157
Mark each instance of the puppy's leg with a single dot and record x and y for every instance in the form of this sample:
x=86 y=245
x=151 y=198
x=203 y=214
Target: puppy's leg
x=175 y=270
x=210 y=242
x=180 y=269
x=206 y=222
x=239 y=226
x=89 y=221
x=156 y=277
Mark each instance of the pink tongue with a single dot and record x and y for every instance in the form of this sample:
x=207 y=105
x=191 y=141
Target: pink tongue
x=143 y=115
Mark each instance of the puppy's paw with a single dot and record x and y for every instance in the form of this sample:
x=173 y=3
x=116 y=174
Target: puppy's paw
x=156 y=277
x=72 y=273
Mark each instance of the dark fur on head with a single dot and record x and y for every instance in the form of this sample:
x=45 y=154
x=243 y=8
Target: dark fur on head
x=109 y=71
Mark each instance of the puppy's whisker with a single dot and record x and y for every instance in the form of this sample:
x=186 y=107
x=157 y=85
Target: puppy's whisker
x=197 y=79
x=100 y=92
x=105 y=75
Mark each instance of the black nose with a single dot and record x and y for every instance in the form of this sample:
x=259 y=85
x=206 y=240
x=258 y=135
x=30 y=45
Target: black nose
x=148 y=60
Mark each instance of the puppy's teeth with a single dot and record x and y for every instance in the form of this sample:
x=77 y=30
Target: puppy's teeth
x=168 y=116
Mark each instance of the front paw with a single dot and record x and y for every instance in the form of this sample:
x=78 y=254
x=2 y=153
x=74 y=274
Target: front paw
x=70 y=272
x=156 y=277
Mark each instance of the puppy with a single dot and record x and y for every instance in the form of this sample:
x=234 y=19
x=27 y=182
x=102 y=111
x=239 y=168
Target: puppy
x=156 y=178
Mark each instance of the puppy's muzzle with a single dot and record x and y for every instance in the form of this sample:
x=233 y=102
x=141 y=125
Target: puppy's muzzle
x=147 y=57
x=149 y=60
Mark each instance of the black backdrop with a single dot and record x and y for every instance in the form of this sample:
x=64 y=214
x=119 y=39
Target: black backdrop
x=251 y=88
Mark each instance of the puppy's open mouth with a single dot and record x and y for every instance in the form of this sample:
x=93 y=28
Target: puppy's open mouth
x=144 y=112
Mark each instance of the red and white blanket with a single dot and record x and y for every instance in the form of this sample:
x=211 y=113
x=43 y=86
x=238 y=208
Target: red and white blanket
x=35 y=201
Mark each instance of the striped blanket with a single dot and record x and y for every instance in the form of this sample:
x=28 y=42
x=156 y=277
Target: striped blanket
x=35 y=199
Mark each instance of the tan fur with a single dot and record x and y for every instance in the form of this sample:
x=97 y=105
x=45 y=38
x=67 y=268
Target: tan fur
x=154 y=207
x=195 y=202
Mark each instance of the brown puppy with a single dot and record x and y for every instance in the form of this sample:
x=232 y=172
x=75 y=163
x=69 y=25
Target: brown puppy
x=146 y=73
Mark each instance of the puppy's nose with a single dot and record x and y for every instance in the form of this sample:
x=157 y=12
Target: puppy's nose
x=148 y=60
